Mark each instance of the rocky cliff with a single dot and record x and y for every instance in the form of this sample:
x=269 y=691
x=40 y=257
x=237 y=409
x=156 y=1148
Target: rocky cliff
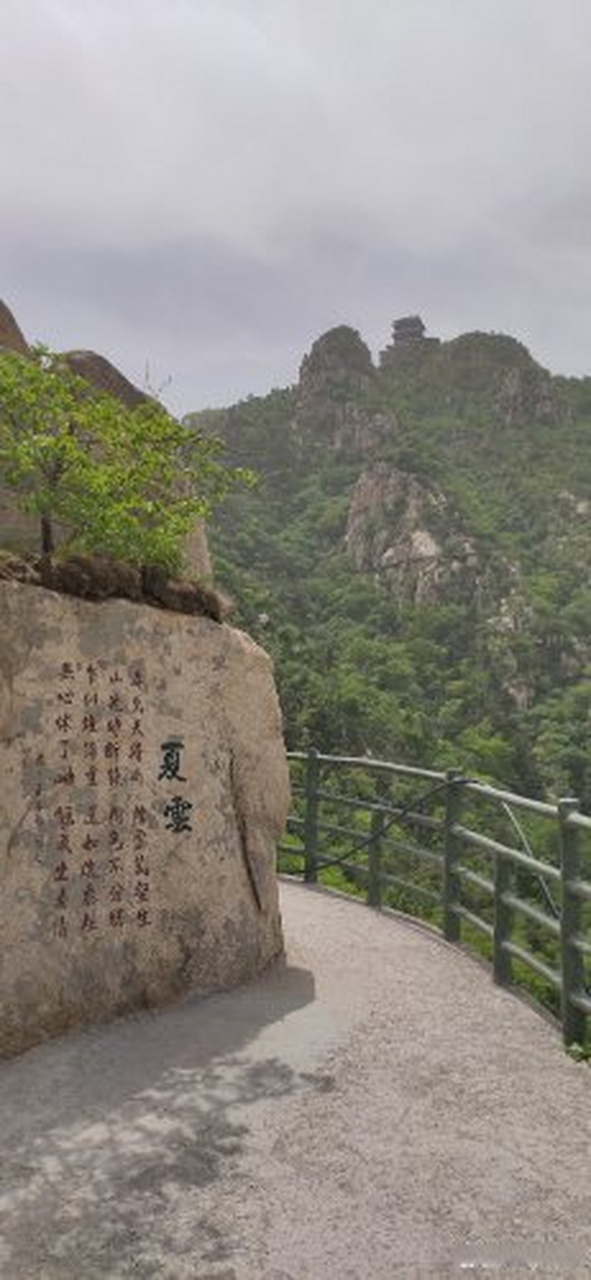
x=404 y=532
x=335 y=378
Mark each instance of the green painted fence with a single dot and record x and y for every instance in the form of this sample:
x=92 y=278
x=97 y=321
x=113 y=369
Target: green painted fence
x=501 y=873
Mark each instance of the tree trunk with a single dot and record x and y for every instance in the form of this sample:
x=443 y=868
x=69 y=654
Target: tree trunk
x=47 y=549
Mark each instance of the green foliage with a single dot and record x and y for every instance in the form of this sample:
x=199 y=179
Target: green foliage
x=125 y=483
x=493 y=676
x=580 y=1052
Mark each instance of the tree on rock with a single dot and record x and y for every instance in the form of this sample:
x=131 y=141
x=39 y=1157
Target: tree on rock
x=125 y=483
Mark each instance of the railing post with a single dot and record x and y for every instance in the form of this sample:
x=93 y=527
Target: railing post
x=573 y=974
x=311 y=818
x=451 y=882
x=504 y=881
x=374 y=882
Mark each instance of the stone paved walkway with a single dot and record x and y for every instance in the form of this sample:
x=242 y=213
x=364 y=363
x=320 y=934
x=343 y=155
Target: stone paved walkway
x=375 y=1108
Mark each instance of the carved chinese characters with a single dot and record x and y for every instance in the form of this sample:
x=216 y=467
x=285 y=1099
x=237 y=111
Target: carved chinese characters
x=142 y=789
x=91 y=810
x=93 y=806
x=176 y=810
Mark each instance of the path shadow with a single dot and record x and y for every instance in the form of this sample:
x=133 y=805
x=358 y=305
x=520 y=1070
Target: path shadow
x=112 y=1137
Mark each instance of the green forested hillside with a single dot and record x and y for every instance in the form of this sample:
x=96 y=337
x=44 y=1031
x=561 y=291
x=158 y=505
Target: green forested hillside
x=417 y=555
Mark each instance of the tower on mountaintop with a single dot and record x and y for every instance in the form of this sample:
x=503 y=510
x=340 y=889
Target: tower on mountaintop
x=408 y=339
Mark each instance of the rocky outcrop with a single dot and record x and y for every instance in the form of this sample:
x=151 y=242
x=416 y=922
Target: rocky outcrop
x=336 y=370
x=344 y=427
x=339 y=357
x=358 y=431
x=334 y=377
x=494 y=373
x=105 y=377
x=143 y=787
x=101 y=578
x=523 y=395
x=403 y=531
x=11 y=337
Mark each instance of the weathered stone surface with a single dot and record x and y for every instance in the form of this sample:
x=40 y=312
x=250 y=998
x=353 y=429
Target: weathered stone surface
x=105 y=377
x=390 y=533
x=197 y=554
x=336 y=372
x=143 y=785
x=336 y=368
x=18 y=532
x=338 y=353
x=11 y=336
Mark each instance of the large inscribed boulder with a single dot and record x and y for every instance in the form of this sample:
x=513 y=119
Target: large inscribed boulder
x=143 y=786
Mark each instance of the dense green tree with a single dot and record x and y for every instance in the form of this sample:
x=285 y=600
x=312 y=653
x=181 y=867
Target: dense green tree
x=125 y=483
x=491 y=675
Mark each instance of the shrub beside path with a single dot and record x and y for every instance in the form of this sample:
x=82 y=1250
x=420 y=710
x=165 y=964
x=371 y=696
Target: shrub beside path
x=373 y=1108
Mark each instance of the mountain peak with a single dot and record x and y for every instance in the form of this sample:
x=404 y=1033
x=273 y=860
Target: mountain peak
x=340 y=351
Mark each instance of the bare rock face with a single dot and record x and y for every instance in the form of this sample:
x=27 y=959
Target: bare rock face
x=340 y=353
x=360 y=432
x=105 y=377
x=337 y=369
x=11 y=336
x=143 y=787
x=523 y=394
x=390 y=532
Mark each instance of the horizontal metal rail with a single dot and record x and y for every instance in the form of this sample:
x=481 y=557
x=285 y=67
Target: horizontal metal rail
x=580 y=889
x=334 y=829
x=514 y=855
x=397 y=882
x=532 y=913
x=384 y=766
x=373 y=855
x=471 y=918
x=583 y=945
x=526 y=957
x=349 y=802
x=349 y=869
x=472 y=877
x=581 y=820
x=412 y=819
x=515 y=801
x=414 y=851
x=581 y=1002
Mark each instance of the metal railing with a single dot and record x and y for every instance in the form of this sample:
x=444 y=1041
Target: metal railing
x=451 y=850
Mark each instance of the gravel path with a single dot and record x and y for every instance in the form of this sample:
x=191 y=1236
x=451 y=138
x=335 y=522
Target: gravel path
x=374 y=1108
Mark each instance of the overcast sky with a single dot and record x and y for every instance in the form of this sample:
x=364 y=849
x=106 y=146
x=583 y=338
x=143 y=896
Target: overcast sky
x=205 y=186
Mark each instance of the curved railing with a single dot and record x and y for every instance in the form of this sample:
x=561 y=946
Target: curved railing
x=453 y=850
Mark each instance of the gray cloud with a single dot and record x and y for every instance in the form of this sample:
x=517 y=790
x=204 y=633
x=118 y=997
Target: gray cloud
x=208 y=184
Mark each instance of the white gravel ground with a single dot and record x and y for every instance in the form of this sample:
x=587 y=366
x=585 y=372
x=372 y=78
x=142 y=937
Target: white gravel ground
x=375 y=1108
